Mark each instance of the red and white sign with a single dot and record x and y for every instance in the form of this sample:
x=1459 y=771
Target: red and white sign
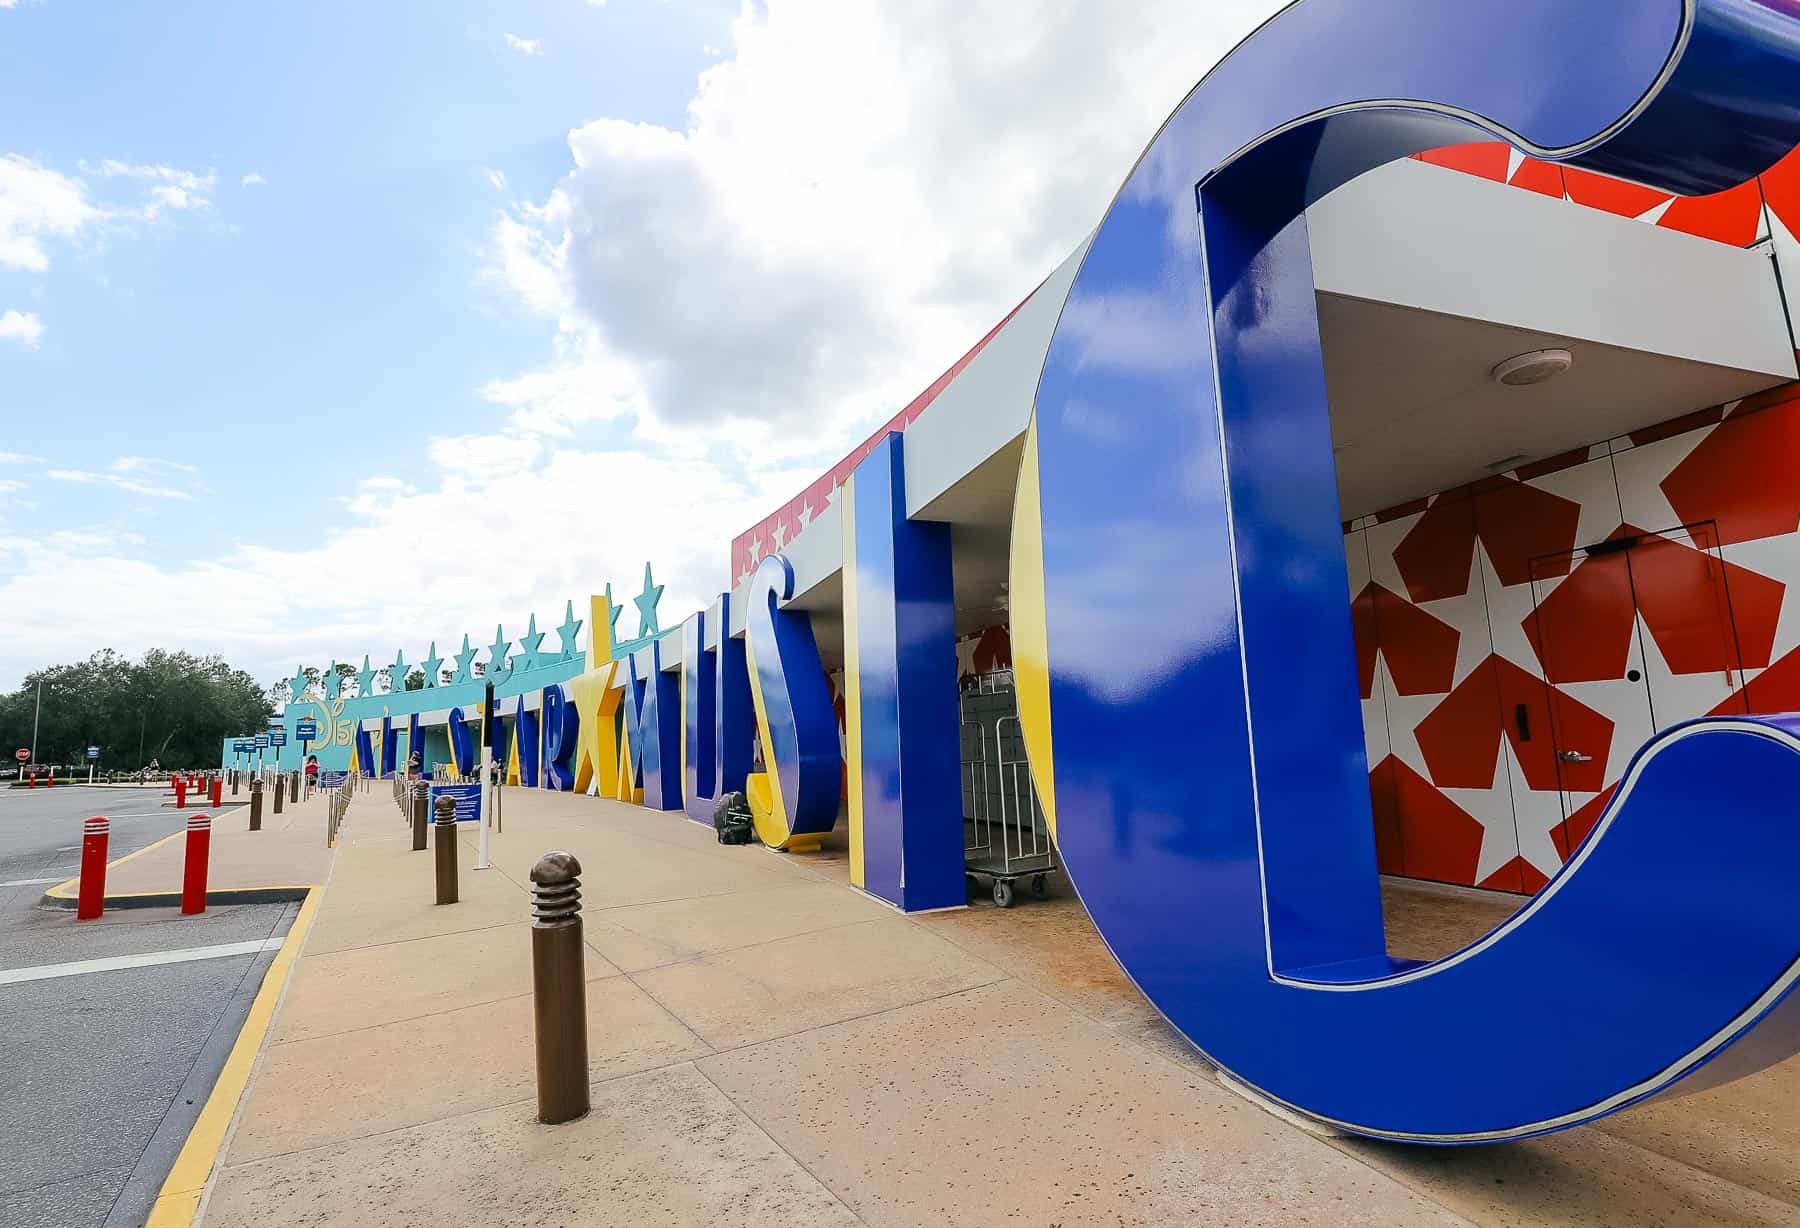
x=22 y=754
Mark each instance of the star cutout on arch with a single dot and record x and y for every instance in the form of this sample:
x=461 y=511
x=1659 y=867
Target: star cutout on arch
x=496 y=664
x=331 y=686
x=365 y=678
x=464 y=660
x=297 y=685
x=616 y=610
x=528 y=643
x=646 y=604
x=397 y=671
x=571 y=627
x=431 y=666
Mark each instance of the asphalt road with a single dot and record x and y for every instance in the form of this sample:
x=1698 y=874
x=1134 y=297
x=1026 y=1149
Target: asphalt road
x=104 y=1071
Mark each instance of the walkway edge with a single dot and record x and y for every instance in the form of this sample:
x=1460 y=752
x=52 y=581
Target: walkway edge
x=178 y=1201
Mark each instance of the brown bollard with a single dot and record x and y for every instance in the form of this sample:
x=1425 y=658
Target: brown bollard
x=256 y=805
x=445 y=839
x=293 y=786
x=559 y=988
x=278 y=792
x=234 y=781
x=421 y=805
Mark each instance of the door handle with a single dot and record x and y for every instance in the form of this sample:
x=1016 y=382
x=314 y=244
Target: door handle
x=1575 y=756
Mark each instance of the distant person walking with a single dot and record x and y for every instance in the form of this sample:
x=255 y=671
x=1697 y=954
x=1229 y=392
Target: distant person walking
x=312 y=771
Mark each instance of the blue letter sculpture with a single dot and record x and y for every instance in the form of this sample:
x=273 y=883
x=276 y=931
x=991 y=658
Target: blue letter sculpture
x=1214 y=803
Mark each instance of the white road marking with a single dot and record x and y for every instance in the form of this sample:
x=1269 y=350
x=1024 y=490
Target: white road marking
x=30 y=882
x=67 y=848
x=148 y=959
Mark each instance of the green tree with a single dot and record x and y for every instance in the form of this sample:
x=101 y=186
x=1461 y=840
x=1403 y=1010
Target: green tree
x=170 y=706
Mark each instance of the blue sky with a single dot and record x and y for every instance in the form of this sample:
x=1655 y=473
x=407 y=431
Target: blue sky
x=331 y=329
x=334 y=308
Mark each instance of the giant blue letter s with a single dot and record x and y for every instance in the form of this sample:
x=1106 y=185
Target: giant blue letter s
x=1207 y=784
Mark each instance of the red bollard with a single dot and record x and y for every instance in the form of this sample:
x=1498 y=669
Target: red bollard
x=180 y=793
x=218 y=790
x=193 y=874
x=31 y=781
x=50 y=780
x=91 y=900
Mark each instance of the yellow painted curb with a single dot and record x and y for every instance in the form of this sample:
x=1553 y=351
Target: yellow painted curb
x=179 y=1199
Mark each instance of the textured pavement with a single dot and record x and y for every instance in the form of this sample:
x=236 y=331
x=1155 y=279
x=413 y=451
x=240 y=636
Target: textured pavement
x=767 y=1046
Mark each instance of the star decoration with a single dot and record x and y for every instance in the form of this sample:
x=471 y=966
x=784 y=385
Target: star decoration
x=646 y=604
x=571 y=627
x=397 y=671
x=528 y=658
x=297 y=685
x=464 y=660
x=432 y=666
x=365 y=678
x=331 y=685
x=496 y=664
x=616 y=609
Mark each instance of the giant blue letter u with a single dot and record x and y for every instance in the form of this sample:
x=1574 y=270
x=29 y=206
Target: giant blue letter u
x=1207 y=780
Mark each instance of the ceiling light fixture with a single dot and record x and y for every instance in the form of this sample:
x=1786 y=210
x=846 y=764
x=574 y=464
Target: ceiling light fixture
x=1532 y=368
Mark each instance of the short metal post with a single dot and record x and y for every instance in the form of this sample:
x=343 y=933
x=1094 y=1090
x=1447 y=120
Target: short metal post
x=180 y=793
x=278 y=792
x=218 y=791
x=445 y=838
x=234 y=782
x=559 y=988
x=421 y=802
x=90 y=901
x=293 y=786
x=193 y=874
x=256 y=805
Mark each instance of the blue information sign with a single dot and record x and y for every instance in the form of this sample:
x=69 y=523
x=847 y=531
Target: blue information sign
x=332 y=780
x=93 y=752
x=468 y=801
x=262 y=741
x=241 y=746
x=307 y=730
x=277 y=737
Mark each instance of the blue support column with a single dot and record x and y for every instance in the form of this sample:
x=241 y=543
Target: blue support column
x=699 y=728
x=387 y=746
x=654 y=710
x=525 y=729
x=906 y=832
x=734 y=715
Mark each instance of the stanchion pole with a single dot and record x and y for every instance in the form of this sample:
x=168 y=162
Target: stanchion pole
x=256 y=805
x=90 y=901
x=559 y=988
x=278 y=792
x=421 y=795
x=193 y=874
x=444 y=838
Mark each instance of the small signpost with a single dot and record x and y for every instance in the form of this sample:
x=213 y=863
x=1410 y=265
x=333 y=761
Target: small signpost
x=466 y=796
x=307 y=730
x=93 y=755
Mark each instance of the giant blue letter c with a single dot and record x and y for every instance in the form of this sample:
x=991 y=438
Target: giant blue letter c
x=1199 y=749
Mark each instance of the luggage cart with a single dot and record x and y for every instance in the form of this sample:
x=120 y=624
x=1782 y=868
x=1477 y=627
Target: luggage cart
x=1005 y=836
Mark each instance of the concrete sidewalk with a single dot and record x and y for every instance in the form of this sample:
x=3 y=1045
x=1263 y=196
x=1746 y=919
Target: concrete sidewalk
x=769 y=1046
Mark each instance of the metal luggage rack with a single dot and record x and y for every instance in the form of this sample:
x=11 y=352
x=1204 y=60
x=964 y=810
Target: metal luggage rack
x=1005 y=836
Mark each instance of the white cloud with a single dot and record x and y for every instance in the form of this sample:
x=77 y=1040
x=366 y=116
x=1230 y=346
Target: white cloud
x=37 y=203
x=780 y=267
x=20 y=458
x=524 y=46
x=497 y=179
x=149 y=476
x=21 y=326
x=252 y=180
